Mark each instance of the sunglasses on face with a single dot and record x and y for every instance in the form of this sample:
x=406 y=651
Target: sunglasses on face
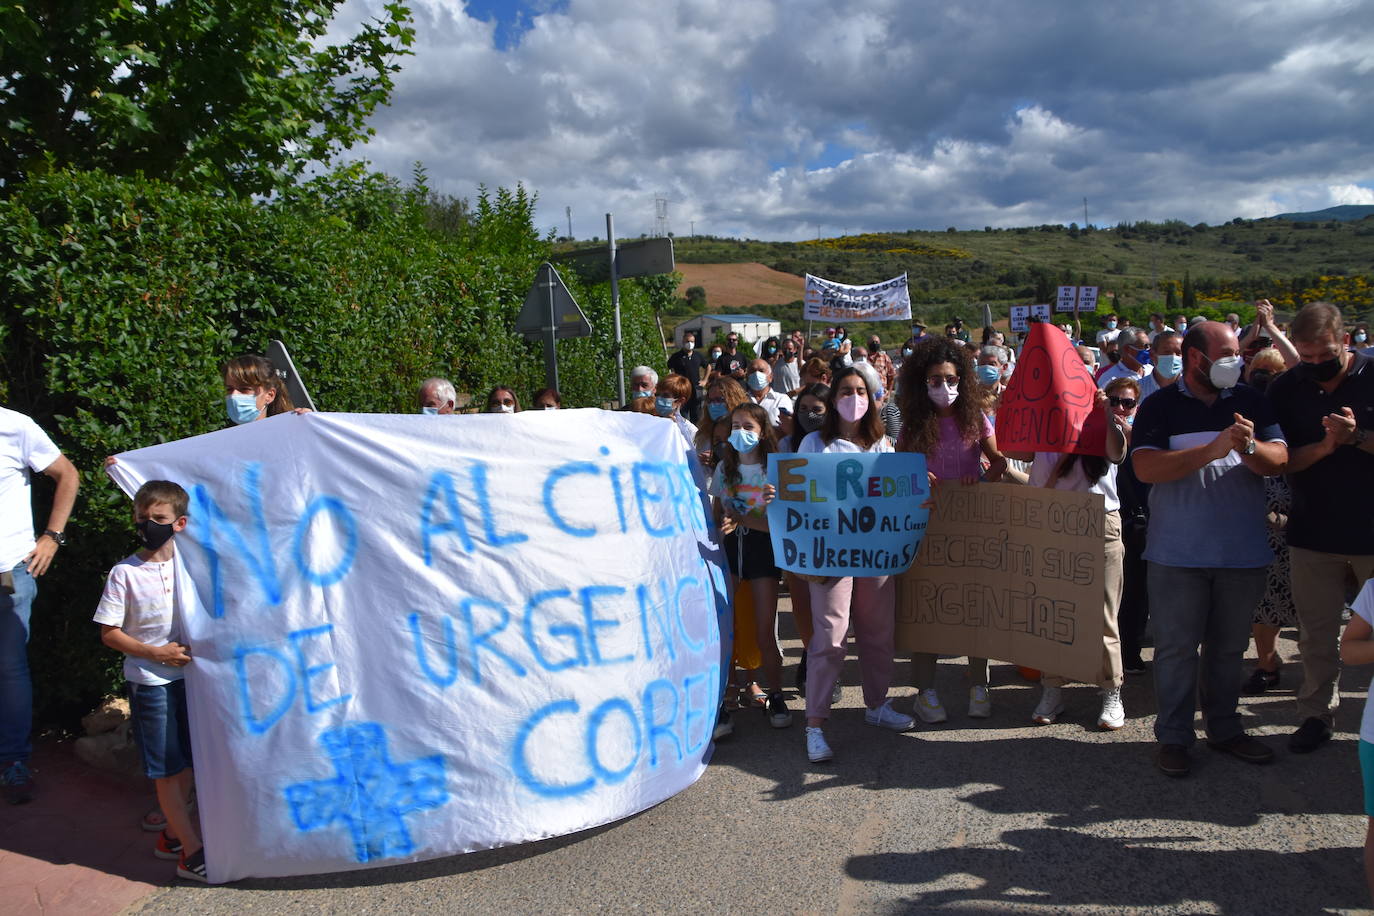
x=1127 y=403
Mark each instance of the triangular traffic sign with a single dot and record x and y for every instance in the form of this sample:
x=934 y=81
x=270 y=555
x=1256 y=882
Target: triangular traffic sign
x=567 y=319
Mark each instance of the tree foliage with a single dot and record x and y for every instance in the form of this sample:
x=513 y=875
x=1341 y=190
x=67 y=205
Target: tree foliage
x=233 y=94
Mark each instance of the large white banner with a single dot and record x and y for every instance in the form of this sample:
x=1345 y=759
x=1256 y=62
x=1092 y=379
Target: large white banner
x=415 y=636
x=826 y=300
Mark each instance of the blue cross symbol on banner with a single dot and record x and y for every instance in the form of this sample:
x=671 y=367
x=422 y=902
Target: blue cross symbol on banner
x=368 y=794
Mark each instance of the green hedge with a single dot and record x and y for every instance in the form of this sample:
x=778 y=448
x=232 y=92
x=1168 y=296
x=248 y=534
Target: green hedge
x=121 y=298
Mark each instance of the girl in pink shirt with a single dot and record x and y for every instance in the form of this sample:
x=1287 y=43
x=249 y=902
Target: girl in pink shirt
x=941 y=419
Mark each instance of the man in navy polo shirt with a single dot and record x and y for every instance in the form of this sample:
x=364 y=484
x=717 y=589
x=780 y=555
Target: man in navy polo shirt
x=1325 y=405
x=1205 y=444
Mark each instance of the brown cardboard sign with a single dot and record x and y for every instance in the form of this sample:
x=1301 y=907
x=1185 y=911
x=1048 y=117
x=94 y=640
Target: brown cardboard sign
x=1012 y=573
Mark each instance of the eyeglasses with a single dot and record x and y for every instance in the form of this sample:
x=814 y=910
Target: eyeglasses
x=1127 y=403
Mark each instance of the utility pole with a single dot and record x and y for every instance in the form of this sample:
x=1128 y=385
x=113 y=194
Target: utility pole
x=1085 y=213
x=569 y=211
x=694 y=227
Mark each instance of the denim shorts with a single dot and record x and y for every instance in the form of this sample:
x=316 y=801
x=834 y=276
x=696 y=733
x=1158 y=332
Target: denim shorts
x=157 y=713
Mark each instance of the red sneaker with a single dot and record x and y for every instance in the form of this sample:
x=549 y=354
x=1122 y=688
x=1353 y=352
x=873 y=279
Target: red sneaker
x=167 y=847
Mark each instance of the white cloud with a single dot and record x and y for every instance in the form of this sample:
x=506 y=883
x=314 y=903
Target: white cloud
x=1351 y=194
x=999 y=113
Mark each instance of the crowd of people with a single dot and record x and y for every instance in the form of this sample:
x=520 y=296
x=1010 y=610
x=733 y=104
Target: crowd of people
x=1235 y=481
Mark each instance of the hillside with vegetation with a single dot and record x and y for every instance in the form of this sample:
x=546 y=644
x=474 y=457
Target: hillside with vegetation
x=1138 y=266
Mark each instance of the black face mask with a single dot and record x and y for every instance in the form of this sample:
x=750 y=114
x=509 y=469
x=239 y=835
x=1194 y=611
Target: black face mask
x=1261 y=378
x=810 y=420
x=1113 y=356
x=153 y=534
x=1323 y=371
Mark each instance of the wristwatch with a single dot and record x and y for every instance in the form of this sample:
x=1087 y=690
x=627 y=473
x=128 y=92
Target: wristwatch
x=1249 y=447
x=1359 y=436
x=58 y=537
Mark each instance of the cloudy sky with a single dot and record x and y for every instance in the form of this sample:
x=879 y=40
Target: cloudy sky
x=777 y=119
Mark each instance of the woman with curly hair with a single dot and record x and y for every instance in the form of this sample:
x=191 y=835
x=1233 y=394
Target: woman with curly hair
x=943 y=420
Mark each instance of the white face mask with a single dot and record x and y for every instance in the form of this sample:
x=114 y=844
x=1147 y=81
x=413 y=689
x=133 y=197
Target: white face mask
x=689 y=346
x=943 y=395
x=1225 y=372
x=505 y=408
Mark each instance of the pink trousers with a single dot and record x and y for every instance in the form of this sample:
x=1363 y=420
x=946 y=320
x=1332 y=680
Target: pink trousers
x=867 y=602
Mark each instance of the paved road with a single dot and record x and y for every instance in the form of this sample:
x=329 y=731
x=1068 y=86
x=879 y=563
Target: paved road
x=993 y=816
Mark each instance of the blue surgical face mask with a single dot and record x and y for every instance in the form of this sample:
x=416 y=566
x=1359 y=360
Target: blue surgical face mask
x=431 y=411
x=716 y=409
x=1111 y=325
x=743 y=440
x=1167 y=365
x=1359 y=337
x=241 y=408
x=757 y=381
x=642 y=394
x=988 y=375
x=663 y=407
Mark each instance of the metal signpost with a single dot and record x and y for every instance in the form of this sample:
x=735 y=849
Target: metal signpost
x=635 y=259
x=550 y=312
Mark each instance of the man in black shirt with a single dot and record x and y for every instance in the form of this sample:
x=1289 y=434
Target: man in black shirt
x=688 y=363
x=1325 y=405
x=732 y=362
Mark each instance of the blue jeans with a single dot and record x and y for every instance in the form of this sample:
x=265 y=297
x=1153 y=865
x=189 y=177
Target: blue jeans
x=16 y=693
x=1211 y=608
x=158 y=716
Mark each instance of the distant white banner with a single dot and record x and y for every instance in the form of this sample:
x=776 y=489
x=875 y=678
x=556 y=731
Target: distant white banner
x=828 y=301
x=415 y=636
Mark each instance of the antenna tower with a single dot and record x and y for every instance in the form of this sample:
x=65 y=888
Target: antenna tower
x=661 y=215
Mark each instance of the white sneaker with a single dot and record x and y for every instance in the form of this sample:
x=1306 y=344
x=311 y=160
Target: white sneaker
x=928 y=707
x=887 y=717
x=979 y=702
x=1113 y=714
x=817 y=751
x=1051 y=705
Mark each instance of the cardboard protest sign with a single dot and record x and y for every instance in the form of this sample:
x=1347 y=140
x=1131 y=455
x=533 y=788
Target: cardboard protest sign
x=415 y=636
x=1049 y=404
x=826 y=300
x=1012 y=573
x=847 y=513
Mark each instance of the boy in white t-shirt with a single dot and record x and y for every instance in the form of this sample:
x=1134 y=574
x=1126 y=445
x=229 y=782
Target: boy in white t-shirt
x=1357 y=648
x=138 y=615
